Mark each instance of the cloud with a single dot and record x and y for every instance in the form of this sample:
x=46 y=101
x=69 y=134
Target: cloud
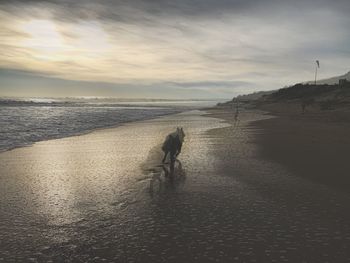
x=121 y=11
x=220 y=47
x=29 y=83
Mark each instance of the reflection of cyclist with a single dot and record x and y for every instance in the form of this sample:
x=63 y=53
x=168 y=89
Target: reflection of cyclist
x=171 y=180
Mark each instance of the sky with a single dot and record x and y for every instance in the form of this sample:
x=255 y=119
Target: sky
x=168 y=48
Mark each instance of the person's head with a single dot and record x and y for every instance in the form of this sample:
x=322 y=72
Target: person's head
x=181 y=133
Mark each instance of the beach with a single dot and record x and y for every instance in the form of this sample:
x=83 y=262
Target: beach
x=106 y=197
x=314 y=145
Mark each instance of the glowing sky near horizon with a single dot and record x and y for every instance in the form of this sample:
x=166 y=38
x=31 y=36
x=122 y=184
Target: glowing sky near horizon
x=168 y=49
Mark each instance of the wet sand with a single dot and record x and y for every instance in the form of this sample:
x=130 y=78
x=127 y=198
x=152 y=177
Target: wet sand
x=104 y=197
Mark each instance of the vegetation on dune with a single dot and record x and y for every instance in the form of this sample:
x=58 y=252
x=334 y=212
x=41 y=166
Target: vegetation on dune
x=327 y=97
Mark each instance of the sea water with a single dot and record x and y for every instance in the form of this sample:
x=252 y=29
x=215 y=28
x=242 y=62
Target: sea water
x=25 y=121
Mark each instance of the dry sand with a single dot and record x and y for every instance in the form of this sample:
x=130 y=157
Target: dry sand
x=314 y=145
x=104 y=196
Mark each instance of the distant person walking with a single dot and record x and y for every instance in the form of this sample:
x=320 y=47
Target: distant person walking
x=236 y=115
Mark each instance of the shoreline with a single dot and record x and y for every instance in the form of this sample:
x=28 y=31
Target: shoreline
x=107 y=196
x=82 y=133
x=56 y=194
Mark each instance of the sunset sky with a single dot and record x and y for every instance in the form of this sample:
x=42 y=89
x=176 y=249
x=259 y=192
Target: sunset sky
x=168 y=49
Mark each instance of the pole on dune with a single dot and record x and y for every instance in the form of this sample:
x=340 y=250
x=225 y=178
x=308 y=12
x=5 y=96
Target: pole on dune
x=317 y=66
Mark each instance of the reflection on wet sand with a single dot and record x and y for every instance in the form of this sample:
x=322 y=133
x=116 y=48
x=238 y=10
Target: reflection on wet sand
x=164 y=180
x=105 y=197
x=78 y=198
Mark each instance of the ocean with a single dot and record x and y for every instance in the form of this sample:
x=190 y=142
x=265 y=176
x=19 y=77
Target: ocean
x=26 y=121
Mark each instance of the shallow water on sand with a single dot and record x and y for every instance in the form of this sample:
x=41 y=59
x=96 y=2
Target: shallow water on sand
x=106 y=197
x=70 y=198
